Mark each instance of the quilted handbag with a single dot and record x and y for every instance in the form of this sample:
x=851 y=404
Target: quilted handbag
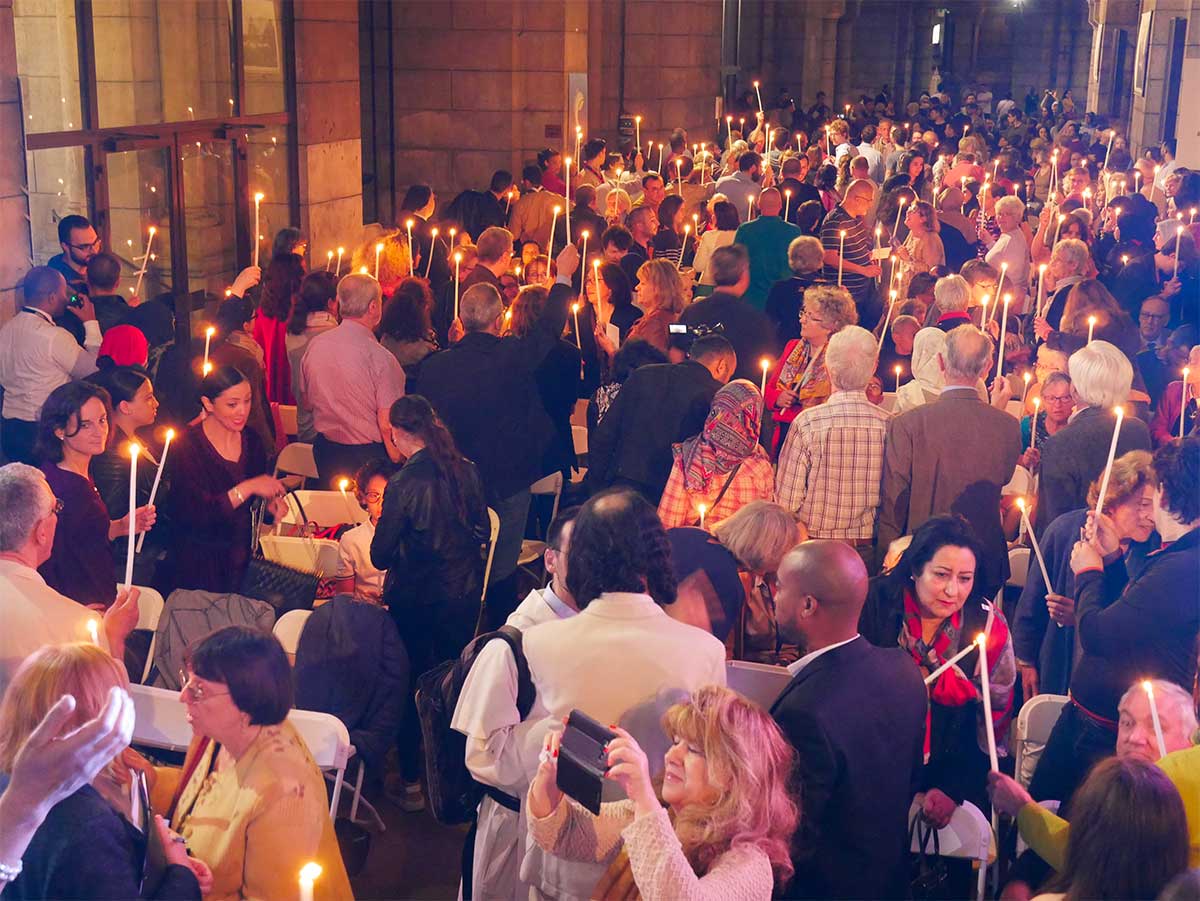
x=283 y=587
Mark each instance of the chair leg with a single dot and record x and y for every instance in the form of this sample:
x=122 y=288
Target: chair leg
x=362 y=768
x=337 y=792
x=981 y=888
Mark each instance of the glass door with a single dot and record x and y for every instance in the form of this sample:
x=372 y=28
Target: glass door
x=138 y=182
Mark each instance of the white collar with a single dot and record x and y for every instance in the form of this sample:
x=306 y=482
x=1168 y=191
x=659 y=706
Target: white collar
x=560 y=607
x=40 y=312
x=794 y=668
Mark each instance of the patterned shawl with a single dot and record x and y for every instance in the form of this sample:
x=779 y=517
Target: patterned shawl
x=804 y=374
x=730 y=435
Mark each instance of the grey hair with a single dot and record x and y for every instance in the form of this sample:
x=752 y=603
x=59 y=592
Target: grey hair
x=491 y=246
x=480 y=307
x=1167 y=694
x=25 y=499
x=850 y=358
x=1073 y=254
x=728 y=264
x=1054 y=378
x=759 y=535
x=805 y=254
x=355 y=293
x=968 y=353
x=952 y=293
x=1009 y=202
x=1100 y=374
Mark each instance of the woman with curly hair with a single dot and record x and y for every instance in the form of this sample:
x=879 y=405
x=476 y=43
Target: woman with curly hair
x=729 y=818
x=405 y=328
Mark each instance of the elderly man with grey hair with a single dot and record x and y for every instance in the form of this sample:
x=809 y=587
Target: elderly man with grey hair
x=1070 y=263
x=951 y=300
x=351 y=381
x=33 y=613
x=832 y=460
x=953 y=456
x=484 y=389
x=1074 y=456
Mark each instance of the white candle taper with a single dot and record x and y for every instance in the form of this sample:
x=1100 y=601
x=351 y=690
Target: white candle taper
x=1037 y=404
x=1148 y=687
x=583 y=253
x=787 y=202
x=1037 y=548
x=412 y=256
x=1003 y=331
x=1112 y=452
x=378 y=251
x=765 y=365
x=933 y=677
x=637 y=124
x=702 y=508
x=1178 y=242
x=759 y=96
x=550 y=245
x=162 y=462
x=1041 y=296
x=1091 y=328
x=886 y=320
x=567 y=219
x=308 y=876
x=137 y=289
x=208 y=336
x=457 y=263
x=985 y=684
x=258 y=199
x=1183 y=401
x=328 y=260
x=841 y=254
x=337 y=273
x=343 y=487
x=432 y=246
x=134 y=450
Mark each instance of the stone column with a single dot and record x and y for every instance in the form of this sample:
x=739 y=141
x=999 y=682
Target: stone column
x=329 y=130
x=1147 y=123
x=14 y=209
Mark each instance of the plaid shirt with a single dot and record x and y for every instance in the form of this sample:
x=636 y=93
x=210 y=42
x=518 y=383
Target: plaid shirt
x=831 y=464
x=754 y=482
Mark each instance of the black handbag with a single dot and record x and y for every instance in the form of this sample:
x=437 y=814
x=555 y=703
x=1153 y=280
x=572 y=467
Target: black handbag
x=930 y=874
x=283 y=587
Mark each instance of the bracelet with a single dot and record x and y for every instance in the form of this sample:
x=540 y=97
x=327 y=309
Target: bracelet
x=238 y=494
x=9 y=872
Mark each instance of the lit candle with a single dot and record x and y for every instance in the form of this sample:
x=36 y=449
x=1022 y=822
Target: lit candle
x=162 y=462
x=208 y=336
x=583 y=252
x=1178 y=242
x=1037 y=548
x=1025 y=377
x=457 y=263
x=637 y=124
x=575 y=313
x=933 y=677
x=687 y=230
x=985 y=684
x=343 y=485
x=1041 y=298
x=729 y=129
x=408 y=224
x=553 y=226
x=1112 y=134
x=1000 y=285
x=599 y=306
x=363 y=270
x=1148 y=686
x=453 y=242
x=1037 y=405
x=759 y=96
x=897 y=371
x=703 y=508
x=258 y=199
x=828 y=145
x=341 y=251
x=308 y=876
x=841 y=253
x=134 y=450
x=567 y=219
x=1154 y=183
x=983 y=316
x=749 y=207
x=378 y=251
x=508 y=202
x=899 y=213
x=1091 y=328
x=1183 y=401
x=137 y=289
x=93 y=630
x=787 y=205
x=328 y=261
x=432 y=246
x=206 y=369
x=1112 y=452
x=578 y=139
x=765 y=364
x=1003 y=331
x=660 y=156
x=886 y=320
x=1058 y=227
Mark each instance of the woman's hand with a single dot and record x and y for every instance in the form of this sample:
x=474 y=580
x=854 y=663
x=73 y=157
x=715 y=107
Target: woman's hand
x=605 y=346
x=785 y=399
x=1031 y=459
x=143 y=520
x=263 y=486
x=1171 y=287
x=202 y=873
x=246 y=279
x=1007 y=794
x=544 y=794
x=1041 y=328
x=1084 y=556
x=174 y=847
x=937 y=807
x=901 y=252
x=1061 y=609
x=1102 y=533
x=629 y=768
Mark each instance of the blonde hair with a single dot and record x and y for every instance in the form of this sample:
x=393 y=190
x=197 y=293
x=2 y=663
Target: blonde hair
x=666 y=288
x=393 y=259
x=751 y=762
x=759 y=534
x=1131 y=473
x=617 y=205
x=834 y=304
x=80 y=669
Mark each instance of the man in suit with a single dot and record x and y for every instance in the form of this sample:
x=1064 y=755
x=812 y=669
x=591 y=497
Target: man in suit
x=953 y=456
x=1074 y=456
x=658 y=405
x=856 y=716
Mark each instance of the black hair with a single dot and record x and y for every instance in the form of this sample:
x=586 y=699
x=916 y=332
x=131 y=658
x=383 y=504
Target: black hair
x=502 y=180
x=316 y=291
x=40 y=283
x=532 y=174
x=620 y=290
x=649 y=177
x=708 y=346
x=414 y=414
x=415 y=198
x=667 y=210
x=922 y=283
x=68 y=224
x=64 y=403
x=619 y=544
x=1177 y=467
x=379 y=466
x=285 y=243
x=868 y=134
x=122 y=382
x=947 y=530
x=406 y=313
x=233 y=314
x=809 y=216
x=748 y=161
x=826 y=178
x=560 y=522
x=725 y=216
x=252 y=663
x=221 y=380
x=594 y=148
x=103 y=271
x=618 y=236
x=634 y=354
x=544 y=157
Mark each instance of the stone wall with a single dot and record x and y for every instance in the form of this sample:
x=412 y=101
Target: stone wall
x=14 y=210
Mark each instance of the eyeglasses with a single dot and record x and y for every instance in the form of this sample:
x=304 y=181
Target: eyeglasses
x=1064 y=399
x=87 y=246
x=57 y=508
x=373 y=497
x=1152 y=317
x=196 y=692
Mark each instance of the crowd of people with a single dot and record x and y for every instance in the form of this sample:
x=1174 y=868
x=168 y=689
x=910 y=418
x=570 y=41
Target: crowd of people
x=834 y=373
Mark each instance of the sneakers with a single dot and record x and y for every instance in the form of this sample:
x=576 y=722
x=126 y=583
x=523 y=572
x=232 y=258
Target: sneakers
x=405 y=795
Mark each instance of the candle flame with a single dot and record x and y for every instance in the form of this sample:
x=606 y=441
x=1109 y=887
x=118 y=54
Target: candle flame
x=1148 y=687
x=1007 y=299
x=595 y=264
x=259 y=197
x=1027 y=376
x=341 y=250
x=207 y=368
x=134 y=449
x=1021 y=504
x=409 y=223
x=557 y=209
x=434 y=232
x=310 y=871
x=981 y=640
x=210 y=331
x=329 y=254
x=1042 y=269
x=765 y=363
x=897 y=370
x=1091 y=320
x=843 y=233
x=153 y=230
x=1037 y=402
x=574 y=308
x=170 y=434
x=93 y=631
x=1119 y=411
x=379 y=247
x=363 y=270
x=637 y=118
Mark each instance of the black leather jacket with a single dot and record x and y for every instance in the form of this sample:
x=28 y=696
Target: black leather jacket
x=430 y=554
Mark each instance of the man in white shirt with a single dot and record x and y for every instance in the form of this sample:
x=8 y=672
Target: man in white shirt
x=33 y=613
x=866 y=148
x=743 y=186
x=497 y=750
x=622 y=660
x=36 y=356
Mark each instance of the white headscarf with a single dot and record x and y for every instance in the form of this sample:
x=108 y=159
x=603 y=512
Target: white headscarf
x=927 y=374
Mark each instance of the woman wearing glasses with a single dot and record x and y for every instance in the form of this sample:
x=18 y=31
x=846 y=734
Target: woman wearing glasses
x=356 y=575
x=250 y=800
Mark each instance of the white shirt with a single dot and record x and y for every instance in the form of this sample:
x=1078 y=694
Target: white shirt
x=874 y=160
x=36 y=356
x=795 y=667
x=1011 y=248
x=354 y=559
x=739 y=188
x=34 y=615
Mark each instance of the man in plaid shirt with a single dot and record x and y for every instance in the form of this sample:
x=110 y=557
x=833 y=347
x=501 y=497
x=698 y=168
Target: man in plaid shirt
x=831 y=463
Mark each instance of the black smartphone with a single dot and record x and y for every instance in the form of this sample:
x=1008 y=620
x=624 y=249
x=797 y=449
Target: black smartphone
x=75 y=301
x=582 y=761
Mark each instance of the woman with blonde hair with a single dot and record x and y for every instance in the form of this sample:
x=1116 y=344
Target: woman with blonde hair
x=922 y=250
x=729 y=820
x=617 y=205
x=394 y=260
x=661 y=297
x=88 y=846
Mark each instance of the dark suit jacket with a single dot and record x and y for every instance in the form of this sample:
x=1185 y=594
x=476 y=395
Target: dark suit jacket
x=748 y=329
x=441 y=270
x=1074 y=456
x=85 y=849
x=657 y=406
x=856 y=716
x=950 y=456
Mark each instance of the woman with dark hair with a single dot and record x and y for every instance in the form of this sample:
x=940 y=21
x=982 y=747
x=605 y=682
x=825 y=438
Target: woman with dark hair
x=929 y=605
x=809 y=216
x=912 y=164
x=724 y=226
x=550 y=161
x=429 y=538
x=280 y=285
x=250 y=800
x=405 y=328
x=826 y=183
x=234 y=347
x=314 y=312
x=220 y=466
x=615 y=301
x=73 y=429
x=289 y=241
x=668 y=241
x=1124 y=251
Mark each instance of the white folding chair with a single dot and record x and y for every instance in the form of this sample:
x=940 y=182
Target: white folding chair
x=1021 y=483
x=1015 y=407
x=1018 y=565
x=889 y=401
x=531 y=549
x=288 y=629
x=322 y=508
x=288 y=418
x=968 y=836
x=494 y=520
x=1031 y=730
x=297 y=459
x=760 y=682
x=150 y=608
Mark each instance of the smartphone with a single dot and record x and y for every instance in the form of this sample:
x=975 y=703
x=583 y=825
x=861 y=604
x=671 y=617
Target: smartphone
x=75 y=301
x=677 y=328
x=582 y=761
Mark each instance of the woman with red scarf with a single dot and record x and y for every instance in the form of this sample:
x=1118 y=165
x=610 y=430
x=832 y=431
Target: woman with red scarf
x=929 y=606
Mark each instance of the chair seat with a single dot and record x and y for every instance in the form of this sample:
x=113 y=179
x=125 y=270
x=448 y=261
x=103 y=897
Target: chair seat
x=531 y=551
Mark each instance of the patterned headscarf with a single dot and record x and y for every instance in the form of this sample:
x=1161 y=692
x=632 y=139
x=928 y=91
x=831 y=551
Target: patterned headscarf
x=730 y=435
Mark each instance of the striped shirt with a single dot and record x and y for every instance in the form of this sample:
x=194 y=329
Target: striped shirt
x=831 y=465
x=857 y=250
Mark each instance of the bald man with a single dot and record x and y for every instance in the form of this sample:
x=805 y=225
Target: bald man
x=856 y=716
x=766 y=239
x=858 y=269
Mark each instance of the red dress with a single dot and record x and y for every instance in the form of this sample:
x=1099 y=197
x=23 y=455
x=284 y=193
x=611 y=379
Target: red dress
x=271 y=335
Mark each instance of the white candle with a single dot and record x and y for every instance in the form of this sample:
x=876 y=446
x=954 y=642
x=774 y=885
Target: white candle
x=137 y=289
x=258 y=199
x=343 y=486
x=703 y=508
x=1183 y=401
x=841 y=254
x=457 y=263
x=1178 y=242
x=1041 y=296
x=162 y=462
x=432 y=247
x=599 y=306
x=1091 y=328
x=687 y=230
x=897 y=371
x=453 y=243
x=575 y=313
x=679 y=175
x=134 y=450
x=338 y=272
x=787 y=202
x=985 y=684
x=983 y=316
x=765 y=364
x=550 y=245
x=567 y=220
x=759 y=96
x=308 y=876
x=93 y=630
x=1037 y=549
x=886 y=320
x=1112 y=452
x=637 y=124
x=1112 y=134
x=408 y=224
x=660 y=156
x=1057 y=228
x=328 y=261
x=1148 y=687
x=1003 y=331
x=933 y=677
x=583 y=253
x=378 y=251
x=899 y=213
x=1000 y=285
x=208 y=335
x=1037 y=404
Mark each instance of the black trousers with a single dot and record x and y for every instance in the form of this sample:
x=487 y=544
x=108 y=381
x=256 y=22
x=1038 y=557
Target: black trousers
x=17 y=439
x=1076 y=743
x=336 y=461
